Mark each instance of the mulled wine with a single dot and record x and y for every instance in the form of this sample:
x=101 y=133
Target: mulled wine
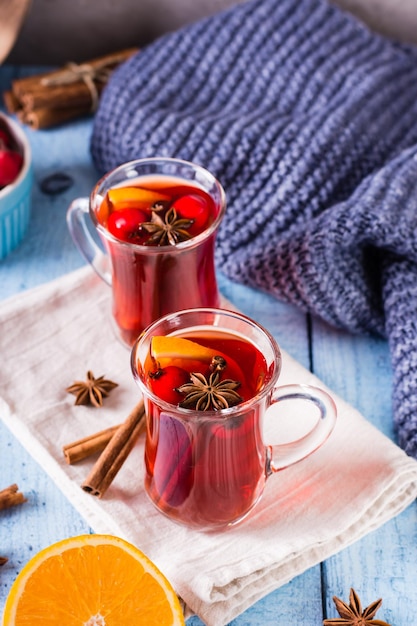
x=155 y=215
x=157 y=219
x=208 y=377
x=204 y=468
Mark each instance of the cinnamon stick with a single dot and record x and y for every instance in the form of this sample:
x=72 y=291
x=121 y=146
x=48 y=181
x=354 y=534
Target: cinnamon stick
x=27 y=83
x=64 y=96
x=45 y=118
x=11 y=496
x=115 y=453
x=85 y=447
x=51 y=98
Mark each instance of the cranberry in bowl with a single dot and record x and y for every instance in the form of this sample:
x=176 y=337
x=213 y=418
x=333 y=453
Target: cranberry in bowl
x=16 y=179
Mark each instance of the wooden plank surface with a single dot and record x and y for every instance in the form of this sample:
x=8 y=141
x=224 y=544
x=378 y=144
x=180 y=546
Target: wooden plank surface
x=383 y=564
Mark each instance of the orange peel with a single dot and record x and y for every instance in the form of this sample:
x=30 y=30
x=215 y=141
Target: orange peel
x=189 y=354
x=134 y=197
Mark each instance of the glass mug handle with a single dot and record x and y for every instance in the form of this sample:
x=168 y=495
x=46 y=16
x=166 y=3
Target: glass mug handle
x=77 y=216
x=283 y=455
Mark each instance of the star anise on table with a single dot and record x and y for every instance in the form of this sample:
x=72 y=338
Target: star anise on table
x=170 y=230
x=352 y=615
x=211 y=394
x=91 y=391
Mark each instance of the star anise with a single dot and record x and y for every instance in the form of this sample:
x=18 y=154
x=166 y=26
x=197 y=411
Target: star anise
x=170 y=230
x=352 y=615
x=92 y=390
x=211 y=394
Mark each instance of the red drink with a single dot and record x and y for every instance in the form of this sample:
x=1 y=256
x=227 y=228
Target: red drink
x=161 y=270
x=206 y=468
x=208 y=377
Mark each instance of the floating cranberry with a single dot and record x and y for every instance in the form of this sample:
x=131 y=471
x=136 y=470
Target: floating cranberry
x=125 y=224
x=193 y=207
x=165 y=382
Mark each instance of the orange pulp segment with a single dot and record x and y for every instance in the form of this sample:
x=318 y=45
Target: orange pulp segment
x=96 y=580
x=134 y=197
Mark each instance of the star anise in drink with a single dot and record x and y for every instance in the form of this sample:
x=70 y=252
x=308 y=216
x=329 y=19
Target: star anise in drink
x=352 y=615
x=91 y=391
x=205 y=394
x=167 y=231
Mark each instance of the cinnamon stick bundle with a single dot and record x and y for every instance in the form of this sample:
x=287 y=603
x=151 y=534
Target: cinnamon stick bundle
x=55 y=97
x=115 y=453
x=11 y=496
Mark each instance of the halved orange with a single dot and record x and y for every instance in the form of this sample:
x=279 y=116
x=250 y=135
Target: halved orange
x=92 y=580
x=136 y=197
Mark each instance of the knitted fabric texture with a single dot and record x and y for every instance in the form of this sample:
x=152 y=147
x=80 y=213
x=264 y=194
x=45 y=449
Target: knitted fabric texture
x=309 y=120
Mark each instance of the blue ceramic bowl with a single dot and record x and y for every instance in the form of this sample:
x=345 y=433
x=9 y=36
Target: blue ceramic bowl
x=15 y=199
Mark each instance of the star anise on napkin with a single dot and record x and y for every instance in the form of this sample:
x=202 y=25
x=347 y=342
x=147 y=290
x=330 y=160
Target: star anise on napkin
x=91 y=391
x=352 y=615
x=203 y=394
x=170 y=230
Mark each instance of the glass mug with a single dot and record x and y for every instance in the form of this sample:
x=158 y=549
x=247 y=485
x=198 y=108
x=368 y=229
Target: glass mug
x=149 y=281
x=208 y=468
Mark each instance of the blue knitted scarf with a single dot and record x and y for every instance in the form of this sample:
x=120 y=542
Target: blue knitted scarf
x=309 y=120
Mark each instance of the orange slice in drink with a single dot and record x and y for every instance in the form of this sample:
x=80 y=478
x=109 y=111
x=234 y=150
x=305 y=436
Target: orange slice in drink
x=134 y=197
x=176 y=350
x=120 y=198
x=190 y=355
x=94 y=580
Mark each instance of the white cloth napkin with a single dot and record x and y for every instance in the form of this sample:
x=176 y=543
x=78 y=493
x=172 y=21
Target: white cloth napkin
x=51 y=336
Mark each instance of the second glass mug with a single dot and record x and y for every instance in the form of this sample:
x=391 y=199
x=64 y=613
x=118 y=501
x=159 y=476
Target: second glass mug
x=208 y=468
x=146 y=281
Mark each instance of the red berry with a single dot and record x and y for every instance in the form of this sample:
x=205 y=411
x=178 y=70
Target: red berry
x=164 y=383
x=193 y=207
x=10 y=165
x=125 y=224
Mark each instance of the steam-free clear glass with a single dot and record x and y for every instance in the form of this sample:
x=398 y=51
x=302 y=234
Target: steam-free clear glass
x=208 y=469
x=148 y=282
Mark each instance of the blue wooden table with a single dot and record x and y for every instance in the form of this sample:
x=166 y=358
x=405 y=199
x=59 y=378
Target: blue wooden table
x=383 y=564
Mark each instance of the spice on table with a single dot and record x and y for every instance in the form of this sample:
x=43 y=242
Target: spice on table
x=3 y=560
x=56 y=183
x=352 y=615
x=11 y=496
x=89 y=445
x=91 y=391
x=52 y=98
x=115 y=453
